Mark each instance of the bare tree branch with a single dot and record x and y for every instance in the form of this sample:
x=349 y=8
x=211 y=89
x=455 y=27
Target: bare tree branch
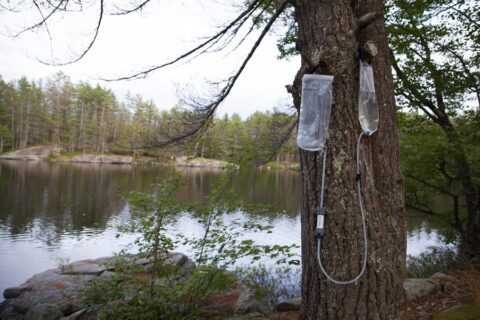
x=216 y=37
x=202 y=114
x=230 y=34
x=46 y=26
x=122 y=12
x=252 y=27
x=278 y=139
x=90 y=45
x=44 y=18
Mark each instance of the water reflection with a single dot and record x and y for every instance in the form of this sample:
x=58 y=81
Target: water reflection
x=52 y=211
x=67 y=198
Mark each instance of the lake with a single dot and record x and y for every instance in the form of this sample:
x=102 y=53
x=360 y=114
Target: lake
x=56 y=212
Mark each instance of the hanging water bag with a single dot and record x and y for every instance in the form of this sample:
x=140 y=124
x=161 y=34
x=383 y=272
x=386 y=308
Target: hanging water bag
x=367 y=103
x=315 y=111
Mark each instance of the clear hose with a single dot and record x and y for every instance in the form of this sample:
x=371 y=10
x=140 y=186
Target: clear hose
x=362 y=211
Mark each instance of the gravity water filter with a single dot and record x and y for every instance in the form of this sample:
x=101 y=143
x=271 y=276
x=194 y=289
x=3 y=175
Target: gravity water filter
x=315 y=109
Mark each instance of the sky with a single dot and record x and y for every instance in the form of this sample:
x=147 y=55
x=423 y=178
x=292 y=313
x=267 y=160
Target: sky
x=163 y=30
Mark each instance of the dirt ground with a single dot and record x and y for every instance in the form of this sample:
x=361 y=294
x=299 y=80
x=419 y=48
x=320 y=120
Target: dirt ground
x=463 y=288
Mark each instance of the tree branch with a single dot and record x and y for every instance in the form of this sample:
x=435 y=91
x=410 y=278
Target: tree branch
x=90 y=45
x=367 y=19
x=142 y=74
x=203 y=114
x=428 y=211
x=432 y=186
x=44 y=19
x=456 y=214
x=254 y=23
x=280 y=139
x=472 y=77
x=438 y=86
x=127 y=11
x=432 y=111
x=364 y=21
x=46 y=26
x=443 y=171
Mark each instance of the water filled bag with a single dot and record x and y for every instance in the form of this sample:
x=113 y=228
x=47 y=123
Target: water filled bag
x=314 y=111
x=367 y=103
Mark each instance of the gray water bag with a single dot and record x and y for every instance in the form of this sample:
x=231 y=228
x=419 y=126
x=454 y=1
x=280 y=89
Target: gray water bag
x=315 y=111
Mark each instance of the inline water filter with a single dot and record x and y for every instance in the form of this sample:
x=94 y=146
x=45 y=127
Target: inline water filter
x=367 y=102
x=315 y=111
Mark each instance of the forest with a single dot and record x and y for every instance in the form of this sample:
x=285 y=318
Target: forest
x=80 y=117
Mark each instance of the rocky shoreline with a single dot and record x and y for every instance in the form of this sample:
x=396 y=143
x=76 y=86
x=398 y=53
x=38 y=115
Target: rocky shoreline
x=56 y=294
x=53 y=154
x=33 y=153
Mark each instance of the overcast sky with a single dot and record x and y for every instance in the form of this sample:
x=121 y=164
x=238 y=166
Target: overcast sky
x=161 y=32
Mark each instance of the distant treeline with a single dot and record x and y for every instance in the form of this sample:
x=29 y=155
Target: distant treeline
x=80 y=117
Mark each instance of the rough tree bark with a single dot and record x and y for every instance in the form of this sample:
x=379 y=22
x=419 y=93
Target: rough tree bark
x=329 y=37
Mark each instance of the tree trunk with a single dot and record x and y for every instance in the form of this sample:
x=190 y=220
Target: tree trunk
x=100 y=132
x=325 y=35
x=26 y=128
x=471 y=193
x=58 y=125
x=20 y=127
x=82 y=127
x=13 y=127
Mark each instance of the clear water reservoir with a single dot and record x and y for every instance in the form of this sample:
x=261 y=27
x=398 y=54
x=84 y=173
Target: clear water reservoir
x=367 y=102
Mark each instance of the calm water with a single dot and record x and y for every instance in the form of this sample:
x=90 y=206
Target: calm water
x=56 y=212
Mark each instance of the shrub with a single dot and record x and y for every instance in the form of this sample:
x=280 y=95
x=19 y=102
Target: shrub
x=160 y=290
x=436 y=259
x=275 y=284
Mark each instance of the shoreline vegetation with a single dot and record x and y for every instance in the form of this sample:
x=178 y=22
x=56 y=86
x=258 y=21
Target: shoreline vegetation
x=65 y=293
x=55 y=154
